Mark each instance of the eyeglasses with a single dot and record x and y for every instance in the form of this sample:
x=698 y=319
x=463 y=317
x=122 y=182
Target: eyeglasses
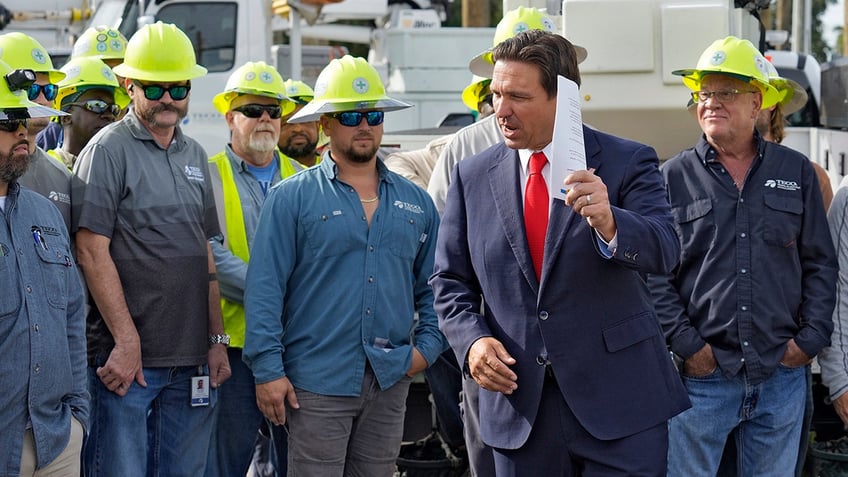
x=255 y=110
x=723 y=96
x=154 y=92
x=49 y=91
x=12 y=125
x=98 y=106
x=354 y=118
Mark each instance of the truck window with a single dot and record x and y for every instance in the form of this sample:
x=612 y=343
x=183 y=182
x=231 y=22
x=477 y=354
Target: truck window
x=213 y=33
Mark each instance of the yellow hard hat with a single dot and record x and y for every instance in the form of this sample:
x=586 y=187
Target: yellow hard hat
x=160 y=52
x=299 y=91
x=347 y=84
x=101 y=42
x=257 y=78
x=23 y=51
x=514 y=22
x=475 y=92
x=86 y=73
x=737 y=58
x=14 y=103
x=793 y=96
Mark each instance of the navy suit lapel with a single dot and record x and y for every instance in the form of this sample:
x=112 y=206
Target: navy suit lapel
x=563 y=216
x=507 y=198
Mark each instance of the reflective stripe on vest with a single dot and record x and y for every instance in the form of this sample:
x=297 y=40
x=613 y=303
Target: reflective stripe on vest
x=231 y=219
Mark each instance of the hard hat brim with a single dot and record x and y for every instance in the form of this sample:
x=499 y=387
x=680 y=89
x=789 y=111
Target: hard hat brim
x=692 y=79
x=128 y=71
x=317 y=108
x=34 y=110
x=794 y=96
x=222 y=101
x=481 y=65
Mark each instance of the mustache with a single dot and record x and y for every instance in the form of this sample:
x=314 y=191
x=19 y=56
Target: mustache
x=164 y=107
x=264 y=128
x=21 y=142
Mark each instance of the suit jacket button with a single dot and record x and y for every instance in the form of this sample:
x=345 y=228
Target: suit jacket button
x=543 y=315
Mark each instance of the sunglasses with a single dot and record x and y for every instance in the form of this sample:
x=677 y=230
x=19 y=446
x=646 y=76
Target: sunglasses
x=154 y=92
x=98 y=106
x=353 y=118
x=49 y=91
x=255 y=110
x=12 y=125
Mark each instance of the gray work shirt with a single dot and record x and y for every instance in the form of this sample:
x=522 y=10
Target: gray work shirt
x=48 y=177
x=157 y=207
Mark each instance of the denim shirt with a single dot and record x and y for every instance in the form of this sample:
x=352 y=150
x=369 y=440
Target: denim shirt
x=325 y=292
x=42 y=331
x=757 y=266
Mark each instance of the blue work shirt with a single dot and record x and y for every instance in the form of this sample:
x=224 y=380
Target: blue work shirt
x=325 y=292
x=757 y=266
x=42 y=331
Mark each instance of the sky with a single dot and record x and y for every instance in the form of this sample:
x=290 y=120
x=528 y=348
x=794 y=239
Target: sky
x=833 y=17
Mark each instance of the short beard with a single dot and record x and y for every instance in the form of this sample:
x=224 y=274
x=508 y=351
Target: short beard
x=15 y=165
x=298 y=152
x=149 y=115
x=260 y=142
x=359 y=157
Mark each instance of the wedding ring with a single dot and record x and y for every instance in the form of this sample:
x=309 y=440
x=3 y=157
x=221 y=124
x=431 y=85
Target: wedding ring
x=588 y=199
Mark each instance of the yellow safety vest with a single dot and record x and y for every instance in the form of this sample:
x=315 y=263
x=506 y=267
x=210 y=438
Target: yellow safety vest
x=231 y=219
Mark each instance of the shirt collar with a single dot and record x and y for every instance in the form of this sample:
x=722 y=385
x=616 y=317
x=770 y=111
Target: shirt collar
x=524 y=156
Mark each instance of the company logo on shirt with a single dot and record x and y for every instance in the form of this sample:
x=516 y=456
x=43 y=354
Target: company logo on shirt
x=194 y=173
x=59 y=197
x=416 y=209
x=784 y=185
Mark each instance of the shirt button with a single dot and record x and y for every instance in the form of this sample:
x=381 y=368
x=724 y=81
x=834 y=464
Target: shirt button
x=540 y=360
x=363 y=218
x=743 y=271
x=324 y=218
x=744 y=343
x=543 y=315
x=370 y=279
x=411 y=221
x=37 y=368
x=743 y=235
x=368 y=311
x=744 y=308
x=36 y=328
x=371 y=248
x=742 y=360
x=29 y=289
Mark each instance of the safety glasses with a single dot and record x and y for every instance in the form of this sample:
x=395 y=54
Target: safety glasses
x=49 y=91
x=98 y=106
x=255 y=110
x=12 y=125
x=353 y=118
x=154 y=92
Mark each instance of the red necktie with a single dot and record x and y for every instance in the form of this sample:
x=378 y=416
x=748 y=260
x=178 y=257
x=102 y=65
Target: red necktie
x=536 y=210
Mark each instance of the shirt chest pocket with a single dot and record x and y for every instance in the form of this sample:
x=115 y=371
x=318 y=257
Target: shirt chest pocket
x=782 y=222
x=695 y=227
x=56 y=264
x=406 y=233
x=330 y=233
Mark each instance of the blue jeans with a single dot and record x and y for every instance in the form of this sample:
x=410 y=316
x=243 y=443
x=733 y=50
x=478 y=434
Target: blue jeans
x=151 y=431
x=237 y=420
x=767 y=416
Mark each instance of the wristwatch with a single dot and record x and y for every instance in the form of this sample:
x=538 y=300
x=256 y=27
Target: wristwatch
x=219 y=339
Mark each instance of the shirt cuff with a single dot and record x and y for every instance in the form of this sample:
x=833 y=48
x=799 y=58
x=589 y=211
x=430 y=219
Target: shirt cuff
x=607 y=248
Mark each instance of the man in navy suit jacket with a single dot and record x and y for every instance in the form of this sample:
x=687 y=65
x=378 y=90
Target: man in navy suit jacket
x=575 y=377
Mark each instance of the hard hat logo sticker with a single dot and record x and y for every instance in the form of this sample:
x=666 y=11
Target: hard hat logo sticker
x=759 y=61
x=101 y=37
x=266 y=77
x=72 y=72
x=718 y=58
x=249 y=76
x=117 y=45
x=107 y=73
x=39 y=56
x=548 y=24
x=520 y=27
x=101 y=47
x=360 y=85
